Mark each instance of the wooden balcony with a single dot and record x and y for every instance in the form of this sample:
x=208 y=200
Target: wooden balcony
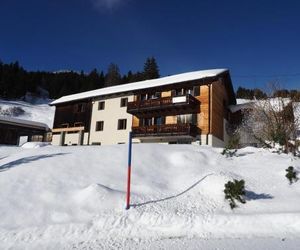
x=166 y=130
x=186 y=102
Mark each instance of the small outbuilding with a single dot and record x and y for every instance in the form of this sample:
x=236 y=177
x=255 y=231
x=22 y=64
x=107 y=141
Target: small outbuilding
x=12 y=130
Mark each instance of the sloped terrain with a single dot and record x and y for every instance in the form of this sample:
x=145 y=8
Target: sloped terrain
x=74 y=197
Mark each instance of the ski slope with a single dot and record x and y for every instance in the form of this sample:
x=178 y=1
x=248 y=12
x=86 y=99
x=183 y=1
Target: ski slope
x=74 y=198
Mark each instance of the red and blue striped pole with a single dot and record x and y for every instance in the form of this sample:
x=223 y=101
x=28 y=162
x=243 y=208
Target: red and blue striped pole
x=129 y=172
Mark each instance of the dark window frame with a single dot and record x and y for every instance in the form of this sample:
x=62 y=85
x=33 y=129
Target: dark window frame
x=197 y=91
x=123 y=102
x=122 y=124
x=101 y=105
x=99 y=126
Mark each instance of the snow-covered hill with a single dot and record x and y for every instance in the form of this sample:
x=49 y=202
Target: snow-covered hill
x=38 y=112
x=74 y=198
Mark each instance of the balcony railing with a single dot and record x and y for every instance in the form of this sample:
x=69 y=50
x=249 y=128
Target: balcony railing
x=165 y=130
x=162 y=103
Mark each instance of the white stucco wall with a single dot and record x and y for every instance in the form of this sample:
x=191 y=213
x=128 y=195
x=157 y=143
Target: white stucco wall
x=71 y=138
x=55 y=139
x=212 y=141
x=85 y=138
x=110 y=115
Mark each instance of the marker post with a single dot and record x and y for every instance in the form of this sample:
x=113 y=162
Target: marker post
x=129 y=171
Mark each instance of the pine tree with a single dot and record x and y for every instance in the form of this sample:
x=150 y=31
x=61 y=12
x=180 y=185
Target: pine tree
x=113 y=76
x=259 y=94
x=151 y=70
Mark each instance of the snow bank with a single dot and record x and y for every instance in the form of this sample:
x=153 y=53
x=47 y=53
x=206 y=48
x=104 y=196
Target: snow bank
x=35 y=144
x=74 y=197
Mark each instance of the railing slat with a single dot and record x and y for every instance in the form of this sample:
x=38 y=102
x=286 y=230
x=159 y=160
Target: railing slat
x=173 y=129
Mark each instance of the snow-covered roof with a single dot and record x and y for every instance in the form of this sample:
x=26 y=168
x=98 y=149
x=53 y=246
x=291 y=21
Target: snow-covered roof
x=189 y=76
x=21 y=122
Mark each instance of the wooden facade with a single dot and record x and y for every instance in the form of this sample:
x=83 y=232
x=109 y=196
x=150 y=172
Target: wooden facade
x=210 y=102
x=74 y=116
x=188 y=111
x=10 y=132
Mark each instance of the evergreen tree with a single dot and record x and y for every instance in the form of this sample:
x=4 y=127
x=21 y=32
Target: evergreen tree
x=129 y=76
x=15 y=81
x=151 y=70
x=284 y=93
x=259 y=94
x=245 y=93
x=101 y=82
x=93 y=79
x=113 y=76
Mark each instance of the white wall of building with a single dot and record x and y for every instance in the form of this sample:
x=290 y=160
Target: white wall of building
x=55 y=139
x=110 y=115
x=212 y=141
x=70 y=139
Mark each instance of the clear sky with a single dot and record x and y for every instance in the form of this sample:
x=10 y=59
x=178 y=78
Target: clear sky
x=259 y=41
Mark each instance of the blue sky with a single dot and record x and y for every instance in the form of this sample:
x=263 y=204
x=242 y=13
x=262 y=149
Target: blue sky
x=259 y=41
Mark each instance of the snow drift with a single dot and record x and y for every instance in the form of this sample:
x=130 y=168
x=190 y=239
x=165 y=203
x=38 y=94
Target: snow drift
x=61 y=196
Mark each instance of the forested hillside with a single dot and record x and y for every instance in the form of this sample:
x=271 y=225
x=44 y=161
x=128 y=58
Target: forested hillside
x=15 y=81
x=244 y=93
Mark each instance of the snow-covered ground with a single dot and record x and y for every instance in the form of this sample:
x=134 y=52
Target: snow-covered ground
x=38 y=112
x=74 y=198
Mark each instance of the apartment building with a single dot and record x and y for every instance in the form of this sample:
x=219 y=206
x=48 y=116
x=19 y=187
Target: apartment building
x=185 y=108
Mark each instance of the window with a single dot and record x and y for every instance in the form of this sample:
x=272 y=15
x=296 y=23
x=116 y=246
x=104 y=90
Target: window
x=146 y=122
x=188 y=118
x=122 y=124
x=99 y=125
x=124 y=102
x=155 y=95
x=159 y=120
x=79 y=108
x=143 y=97
x=101 y=105
x=196 y=90
x=189 y=91
x=179 y=92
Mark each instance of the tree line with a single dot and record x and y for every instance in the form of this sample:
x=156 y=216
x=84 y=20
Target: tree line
x=15 y=81
x=256 y=93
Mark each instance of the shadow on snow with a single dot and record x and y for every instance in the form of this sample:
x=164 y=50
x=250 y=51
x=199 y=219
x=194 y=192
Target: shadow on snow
x=173 y=196
x=26 y=160
x=254 y=196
